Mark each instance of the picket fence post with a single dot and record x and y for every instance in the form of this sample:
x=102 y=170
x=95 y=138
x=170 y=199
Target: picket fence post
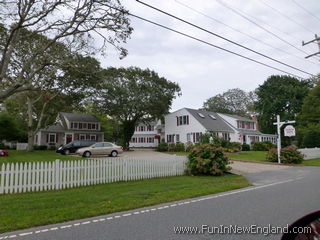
x=57 y=173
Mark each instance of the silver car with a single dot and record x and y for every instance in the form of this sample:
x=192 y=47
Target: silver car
x=100 y=148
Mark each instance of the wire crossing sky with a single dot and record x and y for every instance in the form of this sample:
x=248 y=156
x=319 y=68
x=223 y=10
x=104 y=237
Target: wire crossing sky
x=202 y=70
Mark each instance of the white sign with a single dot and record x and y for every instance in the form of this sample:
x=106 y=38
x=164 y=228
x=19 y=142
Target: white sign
x=289 y=131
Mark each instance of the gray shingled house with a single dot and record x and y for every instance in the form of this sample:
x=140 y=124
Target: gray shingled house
x=70 y=127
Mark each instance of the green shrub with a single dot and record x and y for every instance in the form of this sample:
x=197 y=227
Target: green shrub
x=162 y=147
x=40 y=147
x=234 y=146
x=189 y=147
x=262 y=146
x=288 y=154
x=207 y=159
x=171 y=147
x=245 y=147
x=180 y=147
x=272 y=155
x=311 y=138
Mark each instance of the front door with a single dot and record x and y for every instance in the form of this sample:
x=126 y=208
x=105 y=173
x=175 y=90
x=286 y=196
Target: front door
x=69 y=138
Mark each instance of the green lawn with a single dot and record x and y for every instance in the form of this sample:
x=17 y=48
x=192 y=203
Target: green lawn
x=25 y=210
x=35 y=156
x=259 y=156
x=312 y=162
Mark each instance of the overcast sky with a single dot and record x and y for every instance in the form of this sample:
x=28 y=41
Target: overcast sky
x=203 y=71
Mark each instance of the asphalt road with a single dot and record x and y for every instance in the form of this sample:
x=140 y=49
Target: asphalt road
x=277 y=198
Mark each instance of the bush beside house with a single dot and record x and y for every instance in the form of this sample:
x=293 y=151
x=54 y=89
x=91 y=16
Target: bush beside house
x=262 y=146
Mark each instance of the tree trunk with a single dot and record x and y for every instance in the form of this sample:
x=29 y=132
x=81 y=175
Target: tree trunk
x=30 y=125
x=127 y=130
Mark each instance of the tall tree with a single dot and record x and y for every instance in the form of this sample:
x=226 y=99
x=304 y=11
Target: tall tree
x=279 y=95
x=308 y=120
x=70 y=76
x=130 y=95
x=233 y=101
x=74 y=23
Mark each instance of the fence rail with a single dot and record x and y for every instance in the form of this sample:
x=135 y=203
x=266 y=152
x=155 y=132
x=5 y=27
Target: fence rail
x=44 y=176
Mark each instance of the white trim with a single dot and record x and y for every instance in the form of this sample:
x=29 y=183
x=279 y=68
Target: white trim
x=95 y=137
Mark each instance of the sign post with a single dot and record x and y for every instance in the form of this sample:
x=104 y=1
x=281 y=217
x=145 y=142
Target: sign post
x=289 y=131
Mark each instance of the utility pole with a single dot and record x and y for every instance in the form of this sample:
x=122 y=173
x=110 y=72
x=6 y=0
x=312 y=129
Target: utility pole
x=317 y=40
x=279 y=125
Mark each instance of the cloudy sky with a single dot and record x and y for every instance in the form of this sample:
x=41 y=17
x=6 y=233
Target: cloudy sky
x=203 y=71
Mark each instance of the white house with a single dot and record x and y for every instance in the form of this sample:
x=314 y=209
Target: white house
x=246 y=130
x=187 y=125
x=147 y=134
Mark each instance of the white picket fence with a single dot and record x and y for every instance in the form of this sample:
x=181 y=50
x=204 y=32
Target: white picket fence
x=44 y=176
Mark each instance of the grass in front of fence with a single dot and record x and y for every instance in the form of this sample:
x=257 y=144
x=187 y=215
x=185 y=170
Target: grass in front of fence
x=25 y=210
x=258 y=156
x=35 y=156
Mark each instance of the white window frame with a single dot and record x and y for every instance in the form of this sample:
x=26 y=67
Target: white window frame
x=93 y=135
x=55 y=137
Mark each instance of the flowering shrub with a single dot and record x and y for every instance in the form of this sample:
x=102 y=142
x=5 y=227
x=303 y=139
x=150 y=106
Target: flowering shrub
x=206 y=159
x=288 y=155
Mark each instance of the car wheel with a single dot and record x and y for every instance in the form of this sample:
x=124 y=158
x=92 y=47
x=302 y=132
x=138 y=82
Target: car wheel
x=114 y=153
x=66 y=152
x=86 y=154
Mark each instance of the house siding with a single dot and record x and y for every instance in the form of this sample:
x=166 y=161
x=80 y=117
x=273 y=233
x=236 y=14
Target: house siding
x=171 y=127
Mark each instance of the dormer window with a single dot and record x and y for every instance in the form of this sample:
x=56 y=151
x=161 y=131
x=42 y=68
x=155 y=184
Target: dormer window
x=213 y=117
x=183 y=120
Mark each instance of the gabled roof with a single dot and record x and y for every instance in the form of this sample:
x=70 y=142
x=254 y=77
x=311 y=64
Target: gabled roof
x=54 y=128
x=238 y=117
x=80 y=117
x=215 y=125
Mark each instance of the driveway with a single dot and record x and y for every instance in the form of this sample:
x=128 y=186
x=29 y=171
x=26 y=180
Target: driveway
x=243 y=168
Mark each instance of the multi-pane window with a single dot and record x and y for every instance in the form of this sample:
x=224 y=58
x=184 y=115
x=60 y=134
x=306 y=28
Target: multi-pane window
x=182 y=120
x=170 y=138
x=52 y=137
x=226 y=136
x=82 y=137
x=188 y=137
x=177 y=138
x=245 y=125
x=81 y=125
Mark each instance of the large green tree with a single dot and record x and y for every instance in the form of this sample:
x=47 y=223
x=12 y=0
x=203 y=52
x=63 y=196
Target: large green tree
x=131 y=95
x=308 y=119
x=82 y=26
x=233 y=101
x=11 y=128
x=70 y=76
x=279 y=95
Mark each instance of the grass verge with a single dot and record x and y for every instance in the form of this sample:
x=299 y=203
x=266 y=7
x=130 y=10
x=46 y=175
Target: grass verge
x=312 y=162
x=258 y=156
x=35 y=156
x=25 y=210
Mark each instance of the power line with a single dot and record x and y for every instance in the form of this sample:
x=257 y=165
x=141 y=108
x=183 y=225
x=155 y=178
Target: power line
x=239 y=31
x=215 y=46
x=306 y=10
x=287 y=17
x=226 y=39
x=238 y=12
x=202 y=41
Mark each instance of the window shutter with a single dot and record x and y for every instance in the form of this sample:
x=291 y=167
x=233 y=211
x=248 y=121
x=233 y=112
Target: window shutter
x=187 y=119
x=57 y=137
x=177 y=121
x=47 y=138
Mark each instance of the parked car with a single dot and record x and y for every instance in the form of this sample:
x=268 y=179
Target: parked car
x=4 y=153
x=72 y=147
x=100 y=148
